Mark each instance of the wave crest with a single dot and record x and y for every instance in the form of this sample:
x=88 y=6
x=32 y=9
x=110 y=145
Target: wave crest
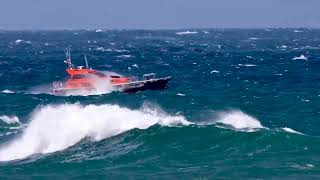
x=239 y=120
x=55 y=128
x=10 y=119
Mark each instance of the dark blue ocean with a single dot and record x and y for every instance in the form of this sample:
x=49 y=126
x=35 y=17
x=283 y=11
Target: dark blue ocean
x=242 y=104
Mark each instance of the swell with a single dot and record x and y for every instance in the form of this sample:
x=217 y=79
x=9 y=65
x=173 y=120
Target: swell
x=183 y=151
x=55 y=128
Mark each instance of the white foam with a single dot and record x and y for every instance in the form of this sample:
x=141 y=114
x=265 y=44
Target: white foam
x=120 y=50
x=291 y=130
x=301 y=57
x=180 y=94
x=18 y=41
x=10 y=119
x=124 y=56
x=135 y=65
x=239 y=120
x=206 y=32
x=186 y=32
x=214 y=71
x=100 y=49
x=247 y=65
x=55 y=128
x=7 y=91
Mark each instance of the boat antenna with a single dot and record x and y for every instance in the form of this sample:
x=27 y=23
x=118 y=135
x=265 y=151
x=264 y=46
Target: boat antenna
x=68 y=58
x=86 y=61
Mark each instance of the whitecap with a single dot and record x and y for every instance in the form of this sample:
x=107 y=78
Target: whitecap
x=121 y=50
x=214 y=71
x=206 y=32
x=125 y=56
x=186 y=32
x=180 y=94
x=10 y=119
x=291 y=130
x=239 y=120
x=18 y=41
x=301 y=57
x=7 y=91
x=135 y=65
x=247 y=65
x=100 y=49
x=55 y=128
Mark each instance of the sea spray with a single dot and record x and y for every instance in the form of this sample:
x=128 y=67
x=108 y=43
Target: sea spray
x=7 y=91
x=233 y=119
x=99 y=87
x=239 y=120
x=10 y=119
x=289 y=130
x=55 y=128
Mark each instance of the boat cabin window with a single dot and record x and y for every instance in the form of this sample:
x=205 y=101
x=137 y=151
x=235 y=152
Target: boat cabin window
x=115 y=76
x=100 y=74
x=90 y=75
x=78 y=76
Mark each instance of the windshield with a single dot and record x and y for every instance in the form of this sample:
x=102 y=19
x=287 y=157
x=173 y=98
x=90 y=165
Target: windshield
x=80 y=76
x=99 y=74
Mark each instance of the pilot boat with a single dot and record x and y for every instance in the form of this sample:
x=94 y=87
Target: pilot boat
x=84 y=78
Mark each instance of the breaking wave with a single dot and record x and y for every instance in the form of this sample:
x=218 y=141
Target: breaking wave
x=55 y=128
x=239 y=120
x=301 y=57
x=235 y=120
x=291 y=130
x=7 y=91
x=186 y=32
x=10 y=119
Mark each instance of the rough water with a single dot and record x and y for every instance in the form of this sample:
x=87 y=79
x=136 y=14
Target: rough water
x=241 y=104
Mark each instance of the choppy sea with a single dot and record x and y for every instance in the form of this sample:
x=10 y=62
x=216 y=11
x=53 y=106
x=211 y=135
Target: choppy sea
x=242 y=104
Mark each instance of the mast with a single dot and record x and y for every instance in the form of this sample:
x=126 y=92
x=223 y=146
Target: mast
x=68 y=58
x=86 y=61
